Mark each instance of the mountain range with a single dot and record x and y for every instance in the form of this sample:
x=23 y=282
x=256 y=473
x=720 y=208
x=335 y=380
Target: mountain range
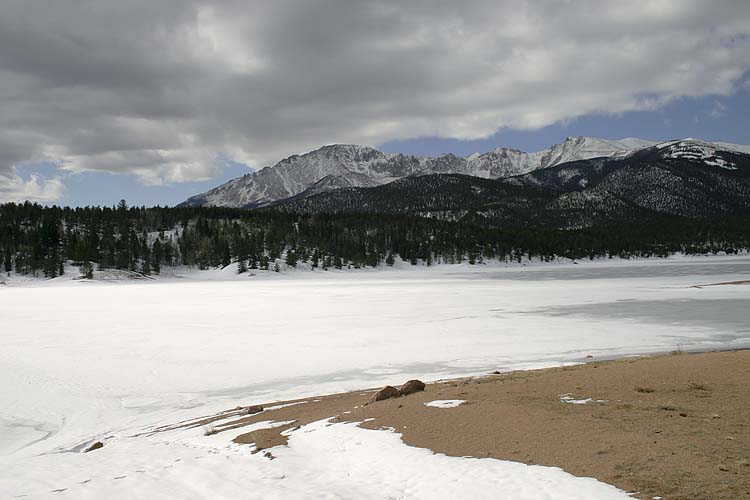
x=578 y=183
x=344 y=166
x=687 y=178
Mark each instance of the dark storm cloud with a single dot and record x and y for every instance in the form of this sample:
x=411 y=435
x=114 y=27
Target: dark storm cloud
x=159 y=89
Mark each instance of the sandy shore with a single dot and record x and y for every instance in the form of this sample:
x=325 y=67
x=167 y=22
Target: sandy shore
x=674 y=426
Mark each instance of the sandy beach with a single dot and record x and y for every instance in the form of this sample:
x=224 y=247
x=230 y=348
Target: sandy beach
x=673 y=426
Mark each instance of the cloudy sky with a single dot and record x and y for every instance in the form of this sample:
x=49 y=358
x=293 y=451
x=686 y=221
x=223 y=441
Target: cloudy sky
x=155 y=100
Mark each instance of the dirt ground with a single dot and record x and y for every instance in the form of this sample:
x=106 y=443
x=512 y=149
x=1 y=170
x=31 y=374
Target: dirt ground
x=674 y=426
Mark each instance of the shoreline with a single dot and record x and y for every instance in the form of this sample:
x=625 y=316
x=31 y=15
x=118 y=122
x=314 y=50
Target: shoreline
x=400 y=270
x=671 y=426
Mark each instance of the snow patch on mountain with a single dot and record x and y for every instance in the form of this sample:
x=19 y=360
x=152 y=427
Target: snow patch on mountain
x=698 y=150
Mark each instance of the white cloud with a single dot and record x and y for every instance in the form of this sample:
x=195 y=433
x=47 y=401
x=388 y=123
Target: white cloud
x=159 y=89
x=13 y=188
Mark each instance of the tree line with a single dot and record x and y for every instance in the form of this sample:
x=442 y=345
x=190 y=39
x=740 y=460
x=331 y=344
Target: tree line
x=40 y=240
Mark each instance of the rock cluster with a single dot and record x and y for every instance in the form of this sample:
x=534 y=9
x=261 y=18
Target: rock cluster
x=389 y=392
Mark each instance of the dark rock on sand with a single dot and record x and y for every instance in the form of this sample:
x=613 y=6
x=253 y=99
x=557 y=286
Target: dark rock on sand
x=411 y=387
x=386 y=392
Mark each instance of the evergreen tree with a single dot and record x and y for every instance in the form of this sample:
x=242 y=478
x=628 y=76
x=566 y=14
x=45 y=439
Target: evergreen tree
x=146 y=267
x=87 y=271
x=390 y=260
x=291 y=258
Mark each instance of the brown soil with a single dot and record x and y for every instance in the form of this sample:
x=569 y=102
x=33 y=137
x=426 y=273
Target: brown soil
x=672 y=426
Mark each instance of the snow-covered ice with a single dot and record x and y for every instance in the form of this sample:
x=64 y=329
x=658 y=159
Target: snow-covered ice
x=103 y=361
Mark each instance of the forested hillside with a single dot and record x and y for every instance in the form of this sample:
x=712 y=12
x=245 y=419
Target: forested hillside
x=39 y=240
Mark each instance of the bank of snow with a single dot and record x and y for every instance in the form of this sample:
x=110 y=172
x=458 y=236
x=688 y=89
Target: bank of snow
x=400 y=269
x=322 y=460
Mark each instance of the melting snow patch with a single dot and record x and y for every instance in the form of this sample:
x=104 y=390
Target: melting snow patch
x=720 y=162
x=445 y=403
x=569 y=398
x=286 y=405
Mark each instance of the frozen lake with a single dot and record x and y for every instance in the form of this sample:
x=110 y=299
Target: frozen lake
x=90 y=360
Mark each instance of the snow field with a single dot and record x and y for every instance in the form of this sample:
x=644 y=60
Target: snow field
x=101 y=361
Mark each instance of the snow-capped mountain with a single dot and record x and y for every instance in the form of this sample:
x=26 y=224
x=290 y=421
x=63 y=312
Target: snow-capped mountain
x=706 y=152
x=685 y=178
x=574 y=175
x=342 y=165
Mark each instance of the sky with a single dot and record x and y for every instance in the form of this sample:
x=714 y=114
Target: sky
x=156 y=101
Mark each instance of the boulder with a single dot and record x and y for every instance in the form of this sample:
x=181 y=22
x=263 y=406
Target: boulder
x=252 y=410
x=411 y=387
x=95 y=446
x=386 y=392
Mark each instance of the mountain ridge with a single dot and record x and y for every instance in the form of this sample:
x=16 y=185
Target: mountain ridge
x=351 y=165
x=685 y=178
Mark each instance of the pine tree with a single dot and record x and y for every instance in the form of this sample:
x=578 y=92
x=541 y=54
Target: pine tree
x=87 y=271
x=146 y=266
x=226 y=258
x=291 y=258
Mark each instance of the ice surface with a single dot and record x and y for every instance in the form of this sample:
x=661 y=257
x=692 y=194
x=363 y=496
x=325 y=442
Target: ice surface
x=105 y=361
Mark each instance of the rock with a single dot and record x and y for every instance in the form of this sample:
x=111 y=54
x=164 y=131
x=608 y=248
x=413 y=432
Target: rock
x=386 y=392
x=411 y=387
x=95 y=446
x=252 y=410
